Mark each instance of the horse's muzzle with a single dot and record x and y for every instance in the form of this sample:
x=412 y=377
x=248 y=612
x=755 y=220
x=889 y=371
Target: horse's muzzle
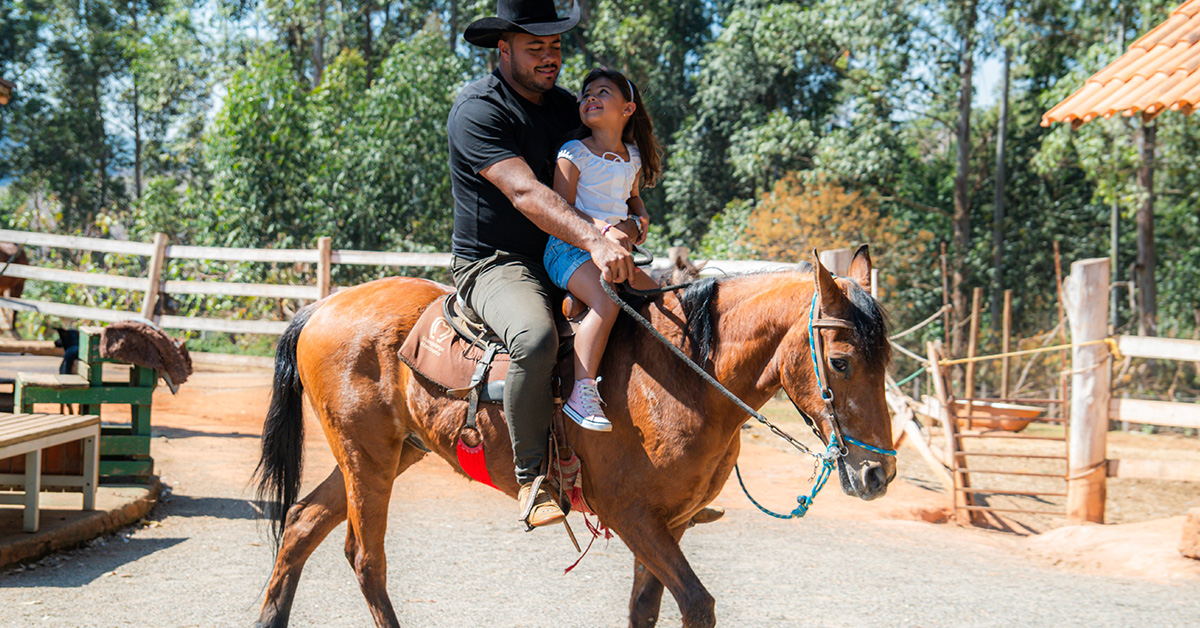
x=868 y=479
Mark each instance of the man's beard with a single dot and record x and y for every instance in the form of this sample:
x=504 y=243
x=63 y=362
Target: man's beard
x=530 y=80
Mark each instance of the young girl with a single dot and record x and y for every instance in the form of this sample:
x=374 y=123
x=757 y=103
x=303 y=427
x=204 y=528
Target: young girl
x=600 y=174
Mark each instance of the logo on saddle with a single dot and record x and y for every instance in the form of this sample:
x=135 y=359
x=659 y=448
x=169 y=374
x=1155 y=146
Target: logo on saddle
x=456 y=353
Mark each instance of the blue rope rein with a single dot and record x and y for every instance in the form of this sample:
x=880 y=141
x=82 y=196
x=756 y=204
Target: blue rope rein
x=803 y=502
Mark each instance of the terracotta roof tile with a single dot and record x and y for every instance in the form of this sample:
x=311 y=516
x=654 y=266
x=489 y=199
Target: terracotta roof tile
x=1160 y=71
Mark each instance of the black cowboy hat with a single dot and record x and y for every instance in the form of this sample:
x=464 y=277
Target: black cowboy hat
x=533 y=17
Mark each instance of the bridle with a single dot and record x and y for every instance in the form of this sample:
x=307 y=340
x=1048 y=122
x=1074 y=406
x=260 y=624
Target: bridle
x=835 y=449
x=816 y=344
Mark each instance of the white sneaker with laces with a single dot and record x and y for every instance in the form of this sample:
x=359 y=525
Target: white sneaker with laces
x=584 y=407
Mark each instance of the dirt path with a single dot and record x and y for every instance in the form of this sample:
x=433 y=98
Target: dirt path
x=457 y=558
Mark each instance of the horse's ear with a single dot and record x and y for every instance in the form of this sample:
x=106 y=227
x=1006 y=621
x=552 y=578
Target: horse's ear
x=828 y=293
x=860 y=267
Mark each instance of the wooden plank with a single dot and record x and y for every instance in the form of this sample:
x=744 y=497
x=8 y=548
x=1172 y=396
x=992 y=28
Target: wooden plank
x=102 y=280
x=140 y=468
x=269 y=291
x=56 y=381
x=124 y=445
x=1149 y=412
x=389 y=258
x=29 y=238
x=228 y=326
x=154 y=276
x=325 y=248
x=228 y=254
x=1057 y=513
x=31 y=426
x=47 y=436
x=972 y=351
x=50 y=308
x=1174 y=470
x=31 y=347
x=92 y=395
x=225 y=359
x=1159 y=348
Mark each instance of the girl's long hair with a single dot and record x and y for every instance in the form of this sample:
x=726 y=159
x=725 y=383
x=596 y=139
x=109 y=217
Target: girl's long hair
x=638 y=129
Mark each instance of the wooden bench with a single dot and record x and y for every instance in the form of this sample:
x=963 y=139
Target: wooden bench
x=29 y=434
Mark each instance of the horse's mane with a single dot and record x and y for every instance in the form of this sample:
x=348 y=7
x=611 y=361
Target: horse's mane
x=870 y=321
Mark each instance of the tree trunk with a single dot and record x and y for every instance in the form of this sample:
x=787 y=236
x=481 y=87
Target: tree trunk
x=137 y=119
x=998 y=203
x=1147 y=145
x=368 y=52
x=453 y=23
x=318 y=45
x=962 y=192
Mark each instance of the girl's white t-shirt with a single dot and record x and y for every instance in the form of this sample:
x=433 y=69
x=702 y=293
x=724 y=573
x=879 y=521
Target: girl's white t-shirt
x=604 y=184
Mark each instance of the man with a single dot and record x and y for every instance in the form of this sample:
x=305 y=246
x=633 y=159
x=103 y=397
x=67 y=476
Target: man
x=505 y=130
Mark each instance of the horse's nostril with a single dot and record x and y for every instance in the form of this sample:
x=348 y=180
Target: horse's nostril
x=875 y=478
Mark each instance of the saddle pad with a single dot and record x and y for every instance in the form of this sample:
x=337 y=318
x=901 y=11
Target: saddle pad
x=439 y=354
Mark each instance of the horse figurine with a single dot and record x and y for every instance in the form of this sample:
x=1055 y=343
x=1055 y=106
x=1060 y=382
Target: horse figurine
x=674 y=441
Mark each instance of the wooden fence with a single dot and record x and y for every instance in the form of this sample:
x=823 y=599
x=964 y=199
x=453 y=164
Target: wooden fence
x=161 y=253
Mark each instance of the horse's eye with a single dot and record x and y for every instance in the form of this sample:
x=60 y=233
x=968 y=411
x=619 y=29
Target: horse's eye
x=839 y=364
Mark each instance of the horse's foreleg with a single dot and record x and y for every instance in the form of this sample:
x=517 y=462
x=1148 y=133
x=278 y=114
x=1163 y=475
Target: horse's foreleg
x=308 y=523
x=657 y=548
x=646 y=600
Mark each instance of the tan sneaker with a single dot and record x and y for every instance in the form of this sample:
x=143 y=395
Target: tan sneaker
x=538 y=508
x=708 y=514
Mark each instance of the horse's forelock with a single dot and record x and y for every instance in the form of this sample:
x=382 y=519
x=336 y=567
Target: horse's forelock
x=870 y=326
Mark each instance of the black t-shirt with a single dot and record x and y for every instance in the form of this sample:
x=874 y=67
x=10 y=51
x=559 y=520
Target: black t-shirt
x=491 y=122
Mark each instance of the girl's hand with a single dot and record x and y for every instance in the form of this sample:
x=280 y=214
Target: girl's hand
x=622 y=233
x=642 y=224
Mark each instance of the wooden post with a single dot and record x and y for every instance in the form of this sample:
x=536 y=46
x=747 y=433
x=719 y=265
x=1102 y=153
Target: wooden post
x=1058 y=284
x=945 y=299
x=875 y=283
x=324 y=265
x=837 y=261
x=1005 y=343
x=972 y=350
x=957 y=462
x=155 y=276
x=1085 y=293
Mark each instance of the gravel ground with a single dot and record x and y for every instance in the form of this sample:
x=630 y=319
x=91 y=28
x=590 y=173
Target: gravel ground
x=457 y=559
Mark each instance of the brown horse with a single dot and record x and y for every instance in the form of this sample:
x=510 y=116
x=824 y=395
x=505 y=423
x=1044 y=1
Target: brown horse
x=11 y=286
x=673 y=444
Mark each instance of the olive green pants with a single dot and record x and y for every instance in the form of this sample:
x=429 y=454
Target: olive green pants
x=512 y=294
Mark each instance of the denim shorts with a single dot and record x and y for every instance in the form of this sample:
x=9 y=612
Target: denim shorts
x=562 y=260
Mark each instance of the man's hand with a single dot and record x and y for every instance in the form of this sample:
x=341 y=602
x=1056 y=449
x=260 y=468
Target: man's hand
x=614 y=260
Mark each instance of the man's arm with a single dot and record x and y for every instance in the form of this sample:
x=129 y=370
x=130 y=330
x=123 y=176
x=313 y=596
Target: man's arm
x=552 y=214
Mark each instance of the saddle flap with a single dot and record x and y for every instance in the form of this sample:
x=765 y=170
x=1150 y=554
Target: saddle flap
x=437 y=350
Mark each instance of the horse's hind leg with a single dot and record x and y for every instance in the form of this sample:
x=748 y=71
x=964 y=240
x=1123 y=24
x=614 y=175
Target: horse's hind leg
x=368 y=491
x=657 y=548
x=308 y=522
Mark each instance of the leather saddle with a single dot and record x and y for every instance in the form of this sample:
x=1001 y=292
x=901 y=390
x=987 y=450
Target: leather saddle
x=452 y=348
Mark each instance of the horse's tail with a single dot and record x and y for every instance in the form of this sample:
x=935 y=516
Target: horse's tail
x=278 y=471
